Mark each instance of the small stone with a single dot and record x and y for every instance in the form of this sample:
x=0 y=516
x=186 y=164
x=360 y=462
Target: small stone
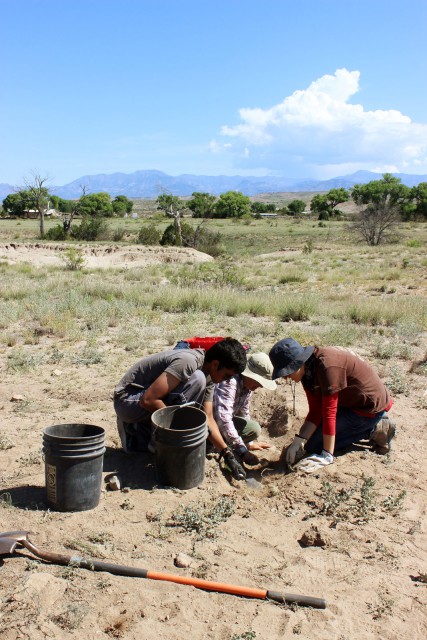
x=114 y=484
x=313 y=538
x=125 y=490
x=182 y=560
x=17 y=397
x=57 y=372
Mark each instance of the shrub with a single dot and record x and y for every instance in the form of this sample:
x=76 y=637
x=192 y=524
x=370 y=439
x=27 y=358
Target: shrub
x=149 y=235
x=199 y=238
x=73 y=259
x=414 y=243
x=169 y=237
x=56 y=233
x=309 y=246
x=118 y=234
x=90 y=229
x=207 y=241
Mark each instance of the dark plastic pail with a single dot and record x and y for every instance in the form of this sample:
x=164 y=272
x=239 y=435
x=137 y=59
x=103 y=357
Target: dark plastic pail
x=74 y=455
x=180 y=438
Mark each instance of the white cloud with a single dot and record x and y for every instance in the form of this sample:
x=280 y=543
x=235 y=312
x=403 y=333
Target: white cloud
x=318 y=132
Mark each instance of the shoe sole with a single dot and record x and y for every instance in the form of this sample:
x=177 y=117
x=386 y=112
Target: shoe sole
x=383 y=449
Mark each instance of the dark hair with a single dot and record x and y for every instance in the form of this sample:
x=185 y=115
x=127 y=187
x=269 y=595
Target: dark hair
x=229 y=353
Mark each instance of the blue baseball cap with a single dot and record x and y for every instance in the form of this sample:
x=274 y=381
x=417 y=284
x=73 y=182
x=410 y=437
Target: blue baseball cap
x=287 y=356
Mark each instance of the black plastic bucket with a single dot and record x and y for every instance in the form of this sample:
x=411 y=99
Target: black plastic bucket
x=180 y=439
x=74 y=455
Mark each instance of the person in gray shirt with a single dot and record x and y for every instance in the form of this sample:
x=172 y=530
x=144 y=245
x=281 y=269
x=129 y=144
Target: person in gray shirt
x=176 y=377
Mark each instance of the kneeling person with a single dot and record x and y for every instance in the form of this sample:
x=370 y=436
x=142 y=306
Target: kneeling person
x=347 y=402
x=176 y=377
x=232 y=407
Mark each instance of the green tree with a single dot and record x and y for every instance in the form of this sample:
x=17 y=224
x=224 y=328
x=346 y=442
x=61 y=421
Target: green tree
x=419 y=198
x=63 y=206
x=122 y=205
x=381 y=204
x=324 y=204
x=262 y=207
x=202 y=204
x=96 y=204
x=17 y=204
x=336 y=196
x=319 y=204
x=295 y=207
x=232 y=204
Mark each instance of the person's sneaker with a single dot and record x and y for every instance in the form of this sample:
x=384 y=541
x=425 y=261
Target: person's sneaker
x=129 y=443
x=383 y=434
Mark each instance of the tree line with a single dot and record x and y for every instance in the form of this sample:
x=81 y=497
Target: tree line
x=381 y=204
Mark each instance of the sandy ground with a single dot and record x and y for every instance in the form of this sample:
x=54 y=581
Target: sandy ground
x=39 y=254
x=366 y=555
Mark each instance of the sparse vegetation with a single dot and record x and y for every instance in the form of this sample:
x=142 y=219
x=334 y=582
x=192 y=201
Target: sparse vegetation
x=246 y=635
x=358 y=503
x=66 y=338
x=73 y=259
x=202 y=519
x=5 y=443
x=383 y=607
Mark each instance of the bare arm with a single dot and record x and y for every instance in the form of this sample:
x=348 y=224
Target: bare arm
x=215 y=435
x=307 y=430
x=161 y=387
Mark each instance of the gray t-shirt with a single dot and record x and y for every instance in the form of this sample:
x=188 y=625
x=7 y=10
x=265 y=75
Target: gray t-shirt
x=181 y=363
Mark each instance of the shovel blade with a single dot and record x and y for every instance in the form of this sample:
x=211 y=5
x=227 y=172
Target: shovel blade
x=17 y=535
x=9 y=540
x=7 y=545
x=253 y=483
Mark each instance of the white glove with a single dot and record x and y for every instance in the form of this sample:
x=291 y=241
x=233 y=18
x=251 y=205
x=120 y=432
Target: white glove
x=315 y=462
x=295 y=451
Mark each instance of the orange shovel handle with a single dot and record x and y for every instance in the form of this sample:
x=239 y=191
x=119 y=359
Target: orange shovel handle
x=208 y=585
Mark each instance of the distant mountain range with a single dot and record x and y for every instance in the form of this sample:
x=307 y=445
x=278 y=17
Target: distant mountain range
x=150 y=183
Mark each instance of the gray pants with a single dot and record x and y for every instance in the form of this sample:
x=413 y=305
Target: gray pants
x=127 y=405
x=134 y=422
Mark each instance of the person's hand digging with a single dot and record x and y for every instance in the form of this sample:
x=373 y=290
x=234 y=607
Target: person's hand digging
x=233 y=465
x=295 y=451
x=258 y=446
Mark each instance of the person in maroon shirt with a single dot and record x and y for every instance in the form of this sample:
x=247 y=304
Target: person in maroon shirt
x=347 y=402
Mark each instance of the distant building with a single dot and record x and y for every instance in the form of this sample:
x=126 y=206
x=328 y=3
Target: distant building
x=33 y=213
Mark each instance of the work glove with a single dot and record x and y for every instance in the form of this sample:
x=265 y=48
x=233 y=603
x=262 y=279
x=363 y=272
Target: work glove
x=295 y=451
x=315 y=462
x=232 y=464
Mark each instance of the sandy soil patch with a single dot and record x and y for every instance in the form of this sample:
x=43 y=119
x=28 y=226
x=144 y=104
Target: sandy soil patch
x=354 y=534
x=100 y=258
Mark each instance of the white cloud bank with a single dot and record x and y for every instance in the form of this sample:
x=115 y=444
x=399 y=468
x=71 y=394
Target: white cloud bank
x=317 y=132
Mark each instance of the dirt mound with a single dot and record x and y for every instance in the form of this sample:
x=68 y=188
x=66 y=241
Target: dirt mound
x=105 y=257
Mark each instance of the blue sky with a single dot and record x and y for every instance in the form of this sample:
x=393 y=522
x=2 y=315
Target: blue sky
x=301 y=88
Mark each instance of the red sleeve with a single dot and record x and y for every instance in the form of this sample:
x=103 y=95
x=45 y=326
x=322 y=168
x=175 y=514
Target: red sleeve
x=314 y=407
x=329 y=414
x=322 y=409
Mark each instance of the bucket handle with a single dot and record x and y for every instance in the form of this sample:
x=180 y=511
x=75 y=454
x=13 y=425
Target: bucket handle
x=181 y=406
